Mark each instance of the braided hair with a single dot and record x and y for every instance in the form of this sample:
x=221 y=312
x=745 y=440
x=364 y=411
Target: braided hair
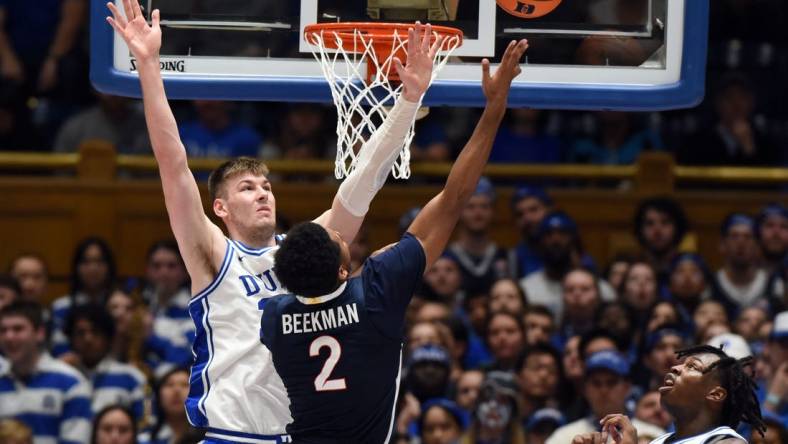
x=741 y=404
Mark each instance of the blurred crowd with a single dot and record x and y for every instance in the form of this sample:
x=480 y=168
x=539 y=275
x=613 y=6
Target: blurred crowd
x=46 y=104
x=527 y=343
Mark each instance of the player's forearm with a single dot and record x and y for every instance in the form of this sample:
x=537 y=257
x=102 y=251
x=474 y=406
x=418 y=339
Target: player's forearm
x=468 y=167
x=72 y=18
x=162 y=127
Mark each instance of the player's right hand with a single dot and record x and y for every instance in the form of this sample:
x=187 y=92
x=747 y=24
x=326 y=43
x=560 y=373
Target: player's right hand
x=496 y=86
x=143 y=40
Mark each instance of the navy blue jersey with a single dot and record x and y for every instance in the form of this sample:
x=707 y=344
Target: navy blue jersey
x=340 y=356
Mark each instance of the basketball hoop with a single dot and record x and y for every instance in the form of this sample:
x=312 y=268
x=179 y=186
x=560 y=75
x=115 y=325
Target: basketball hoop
x=361 y=97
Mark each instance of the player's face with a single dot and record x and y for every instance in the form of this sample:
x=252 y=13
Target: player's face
x=249 y=203
x=89 y=342
x=505 y=296
x=19 y=339
x=344 y=250
x=439 y=427
x=774 y=235
x=528 y=214
x=32 y=277
x=686 y=384
x=658 y=231
x=115 y=427
x=640 y=287
x=539 y=376
x=166 y=272
x=477 y=214
x=580 y=295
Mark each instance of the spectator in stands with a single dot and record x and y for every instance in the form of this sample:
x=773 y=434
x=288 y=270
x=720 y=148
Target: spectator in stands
x=92 y=281
x=443 y=281
x=529 y=206
x=91 y=330
x=617 y=140
x=539 y=324
x=664 y=312
x=709 y=313
x=430 y=142
x=606 y=388
x=660 y=225
x=468 y=386
x=506 y=295
x=216 y=133
x=505 y=339
x=750 y=322
x=639 y=290
x=582 y=298
x=31 y=271
x=129 y=334
x=616 y=269
x=559 y=244
x=772 y=235
x=15 y=432
x=774 y=393
x=539 y=373
x=542 y=424
x=572 y=363
x=480 y=259
x=776 y=432
x=9 y=290
x=619 y=321
x=432 y=311
x=524 y=138
x=659 y=354
x=167 y=294
x=114 y=119
x=40 y=56
x=689 y=283
x=36 y=385
x=742 y=282
x=302 y=134
x=734 y=139
x=114 y=424
x=648 y=409
x=171 y=423
x=441 y=422
x=496 y=417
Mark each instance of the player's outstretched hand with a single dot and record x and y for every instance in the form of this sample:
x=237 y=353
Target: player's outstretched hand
x=417 y=74
x=143 y=40
x=496 y=86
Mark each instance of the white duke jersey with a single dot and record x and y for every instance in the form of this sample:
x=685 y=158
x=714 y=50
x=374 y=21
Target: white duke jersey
x=703 y=438
x=235 y=393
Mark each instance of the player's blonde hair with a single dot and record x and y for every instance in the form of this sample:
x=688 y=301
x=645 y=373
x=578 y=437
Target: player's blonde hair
x=231 y=168
x=13 y=431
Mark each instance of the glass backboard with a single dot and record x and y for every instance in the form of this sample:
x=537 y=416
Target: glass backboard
x=594 y=54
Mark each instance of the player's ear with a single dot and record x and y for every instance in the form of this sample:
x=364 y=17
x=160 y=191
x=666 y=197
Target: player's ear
x=344 y=273
x=218 y=208
x=717 y=394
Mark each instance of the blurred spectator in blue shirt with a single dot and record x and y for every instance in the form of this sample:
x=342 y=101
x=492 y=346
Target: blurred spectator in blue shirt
x=215 y=133
x=616 y=140
x=525 y=139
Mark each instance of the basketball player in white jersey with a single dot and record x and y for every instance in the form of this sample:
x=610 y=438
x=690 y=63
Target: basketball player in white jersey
x=709 y=393
x=235 y=394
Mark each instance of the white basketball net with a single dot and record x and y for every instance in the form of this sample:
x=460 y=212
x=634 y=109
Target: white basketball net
x=362 y=104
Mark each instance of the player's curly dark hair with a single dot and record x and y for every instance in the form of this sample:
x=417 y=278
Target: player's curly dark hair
x=742 y=402
x=308 y=261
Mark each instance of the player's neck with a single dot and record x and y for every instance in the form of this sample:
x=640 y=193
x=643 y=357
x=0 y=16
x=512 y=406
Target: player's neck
x=694 y=422
x=254 y=240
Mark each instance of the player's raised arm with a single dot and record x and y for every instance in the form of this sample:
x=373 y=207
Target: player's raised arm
x=434 y=224
x=378 y=154
x=200 y=241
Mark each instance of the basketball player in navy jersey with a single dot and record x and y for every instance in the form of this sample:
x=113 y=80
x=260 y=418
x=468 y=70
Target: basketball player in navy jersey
x=235 y=394
x=337 y=342
x=709 y=393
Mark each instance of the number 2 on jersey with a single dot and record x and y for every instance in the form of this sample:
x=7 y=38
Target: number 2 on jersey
x=322 y=383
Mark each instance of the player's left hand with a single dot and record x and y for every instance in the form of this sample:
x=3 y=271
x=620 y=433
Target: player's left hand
x=417 y=74
x=496 y=86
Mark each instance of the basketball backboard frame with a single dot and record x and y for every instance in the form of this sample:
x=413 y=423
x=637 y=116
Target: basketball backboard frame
x=680 y=84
